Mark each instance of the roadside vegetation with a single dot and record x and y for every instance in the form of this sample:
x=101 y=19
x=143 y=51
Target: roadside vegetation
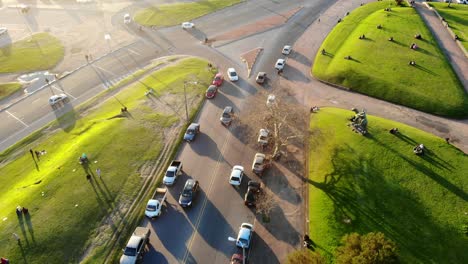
x=380 y=68
x=174 y=14
x=375 y=183
x=7 y=89
x=457 y=17
x=68 y=214
x=42 y=51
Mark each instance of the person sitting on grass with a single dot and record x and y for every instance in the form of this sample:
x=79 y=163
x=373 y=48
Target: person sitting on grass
x=419 y=150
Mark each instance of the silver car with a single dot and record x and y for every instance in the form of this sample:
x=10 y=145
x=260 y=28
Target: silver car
x=226 y=116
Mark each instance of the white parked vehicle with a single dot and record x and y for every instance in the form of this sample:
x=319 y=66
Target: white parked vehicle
x=3 y=30
x=263 y=137
x=187 y=25
x=56 y=98
x=232 y=75
x=245 y=235
x=286 y=50
x=237 y=174
x=271 y=100
x=174 y=170
x=127 y=19
x=280 y=64
x=133 y=252
x=154 y=205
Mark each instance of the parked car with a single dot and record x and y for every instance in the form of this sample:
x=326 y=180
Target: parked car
x=189 y=193
x=245 y=235
x=127 y=19
x=3 y=31
x=24 y=8
x=135 y=246
x=253 y=190
x=227 y=115
x=218 y=79
x=259 y=163
x=237 y=259
x=174 y=170
x=261 y=77
x=263 y=137
x=56 y=98
x=280 y=64
x=271 y=100
x=187 y=25
x=192 y=132
x=154 y=205
x=286 y=50
x=211 y=91
x=232 y=74
x=237 y=173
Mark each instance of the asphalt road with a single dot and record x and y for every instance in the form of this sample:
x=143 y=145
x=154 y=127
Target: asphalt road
x=198 y=234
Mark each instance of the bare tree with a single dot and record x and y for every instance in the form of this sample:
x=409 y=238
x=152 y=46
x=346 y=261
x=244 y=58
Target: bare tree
x=285 y=120
x=266 y=202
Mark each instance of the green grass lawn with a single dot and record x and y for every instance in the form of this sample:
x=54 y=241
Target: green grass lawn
x=7 y=89
x=376 y=181
x=379 y=67
x=41 y=52
x=457 y=17
x=66 y=219
x=174 y=14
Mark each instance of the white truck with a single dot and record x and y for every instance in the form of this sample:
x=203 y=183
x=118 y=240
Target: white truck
x=135 y=246
x=154 y=205
x=174 y=170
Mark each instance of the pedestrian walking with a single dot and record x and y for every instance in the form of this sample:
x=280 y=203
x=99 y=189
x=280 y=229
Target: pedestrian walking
x=98 y=172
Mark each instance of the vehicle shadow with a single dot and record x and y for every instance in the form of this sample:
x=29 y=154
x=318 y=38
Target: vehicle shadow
x=221 y=100
x=261 y=252
x=65 y=115
x=205 y=146
x=293 y=74
x=280 y=227
x=275 y=179
x=152 y=254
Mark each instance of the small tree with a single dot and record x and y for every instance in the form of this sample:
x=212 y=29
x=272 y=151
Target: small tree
x=372 y=248
x=305 y=256
x=266 y=202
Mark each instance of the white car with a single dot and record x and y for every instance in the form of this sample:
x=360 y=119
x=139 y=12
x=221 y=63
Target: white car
x=245 y=235
x=237 y=174
x=280 y=64
x=127 y=19
x=286 y=50
x=187 y=25
x=56 y=98
x=232 y=75
x=3 y=30
x=263 y=137
x=271 y=100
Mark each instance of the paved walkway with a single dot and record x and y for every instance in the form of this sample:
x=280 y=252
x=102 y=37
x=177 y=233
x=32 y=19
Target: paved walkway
x=446 y=42
x=311 y=92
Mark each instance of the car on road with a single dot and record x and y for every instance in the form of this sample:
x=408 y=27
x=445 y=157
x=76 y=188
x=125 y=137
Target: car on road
x=263 y=137
x=237 y=173
x=271 y=100
x=232 y=74
x=227 y=115
x=3 y=30
x=211 y=91
x=174 y=170
x=127 y=19
x=154 y=205
x=245 y=235
x=286 y=50
x=237 y=259
x=261 y=77
x=188 y=25
x=133 y=252
x=192 y=132
x=279 y=65
x=189 y=193
x=218 y=79
x=259 y=163
x=253 y=190
x=56 y=98
x=24 y=8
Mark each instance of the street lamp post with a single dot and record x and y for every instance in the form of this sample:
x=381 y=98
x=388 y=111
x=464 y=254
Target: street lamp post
x=243 y=248
x=185 y=96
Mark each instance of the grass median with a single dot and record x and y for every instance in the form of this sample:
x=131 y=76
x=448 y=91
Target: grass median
x=380 y=68
x=7 y=89
x=174 y=14
x=68 y=214
x=42 y=51
x=375 y=183
x=457 y=17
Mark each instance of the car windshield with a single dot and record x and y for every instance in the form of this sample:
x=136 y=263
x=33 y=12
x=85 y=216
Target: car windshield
x=187 y=193
x=233 y=74
x=170 y=174
x=235 y=178
x=263 y=138
x=226 y=115
x=190 y=131
x=130 y=252
x=243 y=241
x=211 y=89
x=151 y=208
x=217 y=78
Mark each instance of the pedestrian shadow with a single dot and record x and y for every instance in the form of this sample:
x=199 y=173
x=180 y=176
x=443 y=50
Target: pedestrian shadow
x=23 y=252
x=21 y=221
x=417 y=66
x=30 y=227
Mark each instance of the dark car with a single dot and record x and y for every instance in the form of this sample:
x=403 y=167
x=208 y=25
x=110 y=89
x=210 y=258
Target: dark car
x=237 y=259
x=188 y=193
x=211 y=91
x=191 y=132
x=218 y=79
x=253 y=190
x=226 y=116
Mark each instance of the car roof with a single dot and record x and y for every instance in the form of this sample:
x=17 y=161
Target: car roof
x=245 y=231
x=259 y=157
x=264 y=132
x=231 y=70
x=211 y=88
x=133 y=242
x=153 y=202
x=236 y=171
x=189 y=184
x=280 y=60
x=227 y=109
x=262 y=73
x=219 y=75
x=193 y=126
x=287 y=47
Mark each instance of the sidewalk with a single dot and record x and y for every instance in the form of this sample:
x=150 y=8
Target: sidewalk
x=447 y=44
x=310 y=92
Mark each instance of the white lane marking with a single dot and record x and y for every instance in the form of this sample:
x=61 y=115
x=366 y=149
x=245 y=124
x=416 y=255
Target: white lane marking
x=134 y=52
x=197 y=223
x=17 y=118
x=104 y=70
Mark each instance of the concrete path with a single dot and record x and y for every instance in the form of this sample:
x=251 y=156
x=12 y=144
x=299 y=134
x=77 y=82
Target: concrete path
x=448 y=45
x=311 y=92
